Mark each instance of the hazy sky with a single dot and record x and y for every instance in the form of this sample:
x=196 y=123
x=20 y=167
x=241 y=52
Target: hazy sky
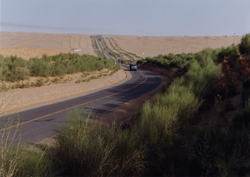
x=127 y=17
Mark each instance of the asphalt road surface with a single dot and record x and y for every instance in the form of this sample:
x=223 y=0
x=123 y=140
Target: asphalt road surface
x=40 y=123
x=102 y=50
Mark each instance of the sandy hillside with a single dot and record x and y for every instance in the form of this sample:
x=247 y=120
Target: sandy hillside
x=152 y=46
x=28 y=45
x=28 y=53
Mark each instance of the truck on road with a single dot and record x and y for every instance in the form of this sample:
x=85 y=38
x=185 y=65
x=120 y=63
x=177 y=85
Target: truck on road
x=133 y=66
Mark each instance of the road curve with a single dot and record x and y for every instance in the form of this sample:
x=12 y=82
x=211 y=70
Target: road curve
x=40 y=123
x=102 y=50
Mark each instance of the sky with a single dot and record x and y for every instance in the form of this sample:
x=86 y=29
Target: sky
x=127 y=17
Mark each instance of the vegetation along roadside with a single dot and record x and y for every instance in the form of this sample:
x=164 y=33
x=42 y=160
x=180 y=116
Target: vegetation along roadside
x=16 y=72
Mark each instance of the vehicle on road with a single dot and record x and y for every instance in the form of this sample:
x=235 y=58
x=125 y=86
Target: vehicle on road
x=133 y=66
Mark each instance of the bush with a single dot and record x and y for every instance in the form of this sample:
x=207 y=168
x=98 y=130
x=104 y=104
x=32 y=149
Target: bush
x=15 y=69
x=39 y=82
x=40 y=68
x=244 y=46
x=231 y=52
x=203 y=77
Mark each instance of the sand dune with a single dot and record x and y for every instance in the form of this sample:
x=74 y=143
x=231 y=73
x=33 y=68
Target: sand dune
x=28 y=45
x=152 y=46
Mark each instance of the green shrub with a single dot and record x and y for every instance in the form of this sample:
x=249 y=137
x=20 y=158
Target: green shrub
x=15 y=69
x=39 y=82
x=58 y=69
x=40 y=68
x=244 y=46
x=203 y=77
x=55 y=80
x=215 y=151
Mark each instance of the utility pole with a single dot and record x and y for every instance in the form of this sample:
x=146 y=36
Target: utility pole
x=234 y=38
x=0 y=19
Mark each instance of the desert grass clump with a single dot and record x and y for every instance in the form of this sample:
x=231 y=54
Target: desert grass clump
x=88 y=148
x=9 y=149
x=16 y=159
x=33 y=162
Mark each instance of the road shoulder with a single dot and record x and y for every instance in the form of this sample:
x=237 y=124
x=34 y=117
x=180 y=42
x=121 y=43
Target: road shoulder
x=125 y=113
x=25 y=99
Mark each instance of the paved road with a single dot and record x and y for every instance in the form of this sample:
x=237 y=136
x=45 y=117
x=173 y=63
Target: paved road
x=40 y=123
x=102 y=50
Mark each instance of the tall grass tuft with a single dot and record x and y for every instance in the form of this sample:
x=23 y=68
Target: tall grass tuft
x=33 y=163
x=16 y=159
x=89 y=148
x=9 y=150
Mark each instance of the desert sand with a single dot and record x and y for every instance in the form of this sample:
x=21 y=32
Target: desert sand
x=150 y=46
x=29 y=45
